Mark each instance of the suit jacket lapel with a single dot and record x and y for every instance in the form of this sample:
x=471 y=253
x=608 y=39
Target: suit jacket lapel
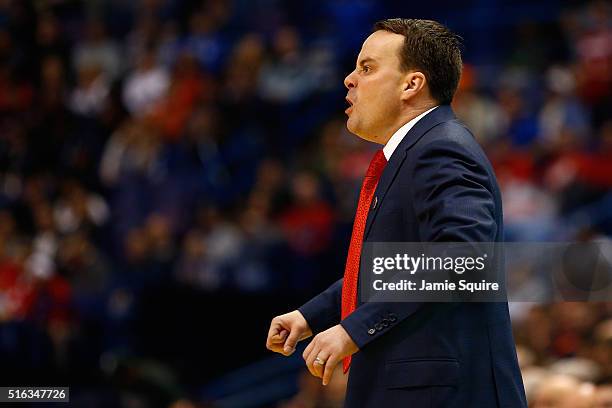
x=441 y=114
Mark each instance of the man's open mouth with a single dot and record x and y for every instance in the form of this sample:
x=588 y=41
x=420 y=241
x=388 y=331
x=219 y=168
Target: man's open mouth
x=350 y=107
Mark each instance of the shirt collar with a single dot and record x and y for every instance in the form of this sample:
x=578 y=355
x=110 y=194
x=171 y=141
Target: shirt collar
x=398 y=136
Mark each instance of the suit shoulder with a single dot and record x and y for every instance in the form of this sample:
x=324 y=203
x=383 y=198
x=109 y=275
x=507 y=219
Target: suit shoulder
x=451 y=131
x=451 y=136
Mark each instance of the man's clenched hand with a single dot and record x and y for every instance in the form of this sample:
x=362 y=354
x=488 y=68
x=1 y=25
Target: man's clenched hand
x=285 y=331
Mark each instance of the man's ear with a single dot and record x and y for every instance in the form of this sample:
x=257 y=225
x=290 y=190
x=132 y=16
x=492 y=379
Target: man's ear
x=413 y=83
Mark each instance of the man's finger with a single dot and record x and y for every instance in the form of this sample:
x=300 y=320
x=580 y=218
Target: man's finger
x=276 y=342
x=275 y=328
x=308 y=349
x=319 y=363
x=273 y=338
x=330 y=366
x=310 y=361
x=290 y=343
x=276 y=348
x=280 y=337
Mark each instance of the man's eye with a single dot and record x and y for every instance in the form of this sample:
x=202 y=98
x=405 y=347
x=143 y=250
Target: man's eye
x=366 y=68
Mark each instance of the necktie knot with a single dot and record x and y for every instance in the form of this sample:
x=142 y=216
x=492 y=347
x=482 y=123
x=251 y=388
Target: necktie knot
x=377 y=165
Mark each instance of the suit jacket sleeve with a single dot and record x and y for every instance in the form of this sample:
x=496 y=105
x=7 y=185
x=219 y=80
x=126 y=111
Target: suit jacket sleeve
x=323 y=311
x=451 y=197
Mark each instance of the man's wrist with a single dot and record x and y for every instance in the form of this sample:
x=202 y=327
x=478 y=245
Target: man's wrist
x=352 y=330
x=308 y=330
x=309 y=314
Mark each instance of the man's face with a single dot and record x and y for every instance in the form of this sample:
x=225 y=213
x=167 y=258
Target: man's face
x=375 y=88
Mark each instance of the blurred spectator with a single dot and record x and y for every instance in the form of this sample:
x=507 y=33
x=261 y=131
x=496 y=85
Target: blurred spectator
x=188 y=85
x=193 y=267
x=204 y=40
x=480 y=113
x=239 y=93
x=307 y=222
x=313 y=395
x=133 y=149
x=563 y=392
x=89 y=96
x=288 y=77
x=50 y=40
x=602 y=348
x=562 y=119
x=603 y=396
x=594 y=52
x=144 y=33
x=78 y=209
x=97 y=51
x=146 y=85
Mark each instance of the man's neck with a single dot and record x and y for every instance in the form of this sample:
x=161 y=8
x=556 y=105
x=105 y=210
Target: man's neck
x=407 y=115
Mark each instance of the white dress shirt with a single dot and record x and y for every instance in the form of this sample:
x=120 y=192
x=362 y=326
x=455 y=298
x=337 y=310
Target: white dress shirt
x=398 y=136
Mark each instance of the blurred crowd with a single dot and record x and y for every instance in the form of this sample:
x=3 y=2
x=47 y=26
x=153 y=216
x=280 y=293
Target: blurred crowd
x=201 y=144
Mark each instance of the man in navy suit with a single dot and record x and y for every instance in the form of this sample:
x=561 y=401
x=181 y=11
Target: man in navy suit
x=435 y=185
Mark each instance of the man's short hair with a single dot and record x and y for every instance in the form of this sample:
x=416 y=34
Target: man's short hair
x=431 y=48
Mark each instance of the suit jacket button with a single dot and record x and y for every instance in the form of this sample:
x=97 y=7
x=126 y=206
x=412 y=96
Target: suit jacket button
x=379 y=326
x=392 y=318
x=371 y=331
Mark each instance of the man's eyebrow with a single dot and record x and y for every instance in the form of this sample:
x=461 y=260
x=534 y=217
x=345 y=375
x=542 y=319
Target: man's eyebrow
x=366 y=60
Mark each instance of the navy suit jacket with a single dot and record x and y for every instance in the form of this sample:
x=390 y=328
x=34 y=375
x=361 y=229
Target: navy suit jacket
x=437 y=186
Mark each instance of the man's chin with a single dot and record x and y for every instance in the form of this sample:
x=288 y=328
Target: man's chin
x=351 y=125
x=357 y=132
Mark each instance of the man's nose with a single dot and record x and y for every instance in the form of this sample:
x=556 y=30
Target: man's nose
x=349 y=81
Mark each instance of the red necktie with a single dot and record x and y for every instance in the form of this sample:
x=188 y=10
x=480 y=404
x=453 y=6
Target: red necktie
x=351 y=271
